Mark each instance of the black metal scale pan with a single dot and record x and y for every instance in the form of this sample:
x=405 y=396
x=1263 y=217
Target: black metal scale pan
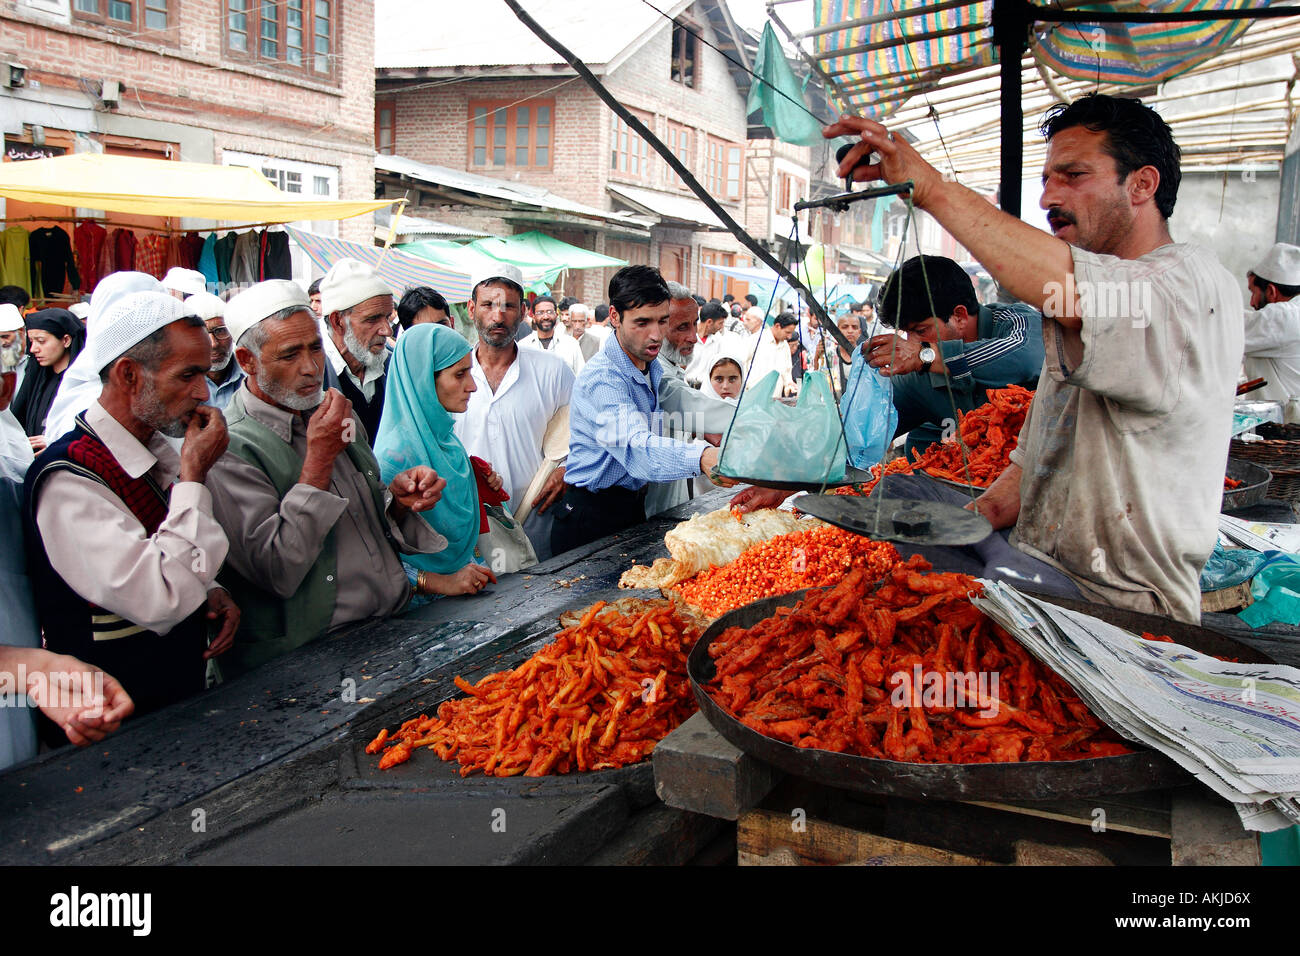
x=1037 y=780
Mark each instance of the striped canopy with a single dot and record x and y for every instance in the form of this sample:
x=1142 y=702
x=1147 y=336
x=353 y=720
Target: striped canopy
x=882 y=52
x=399 y=269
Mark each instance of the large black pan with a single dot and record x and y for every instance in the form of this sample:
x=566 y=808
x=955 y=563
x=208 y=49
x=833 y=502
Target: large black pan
x=1031 y=780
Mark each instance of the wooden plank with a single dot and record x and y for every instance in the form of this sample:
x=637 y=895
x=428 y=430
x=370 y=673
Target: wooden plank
x=697 y=769
x=1227 y=599
x=772 y=838
x=1146 y=814
x=1208 y=832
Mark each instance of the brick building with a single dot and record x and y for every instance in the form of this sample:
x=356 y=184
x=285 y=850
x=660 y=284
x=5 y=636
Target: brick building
x=286 y=88
x=470 y=89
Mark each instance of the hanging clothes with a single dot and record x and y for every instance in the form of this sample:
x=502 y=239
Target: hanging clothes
x=243 y=264
x=276 y=261
x=151 y=256
x=89 y=238
x=207 y=261
x=123 y=250
x=225 y=252
x=191 y=250
x=15 y=258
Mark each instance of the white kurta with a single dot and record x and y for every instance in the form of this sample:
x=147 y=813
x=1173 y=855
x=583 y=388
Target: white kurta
x=1273 y=349
x=563 y=346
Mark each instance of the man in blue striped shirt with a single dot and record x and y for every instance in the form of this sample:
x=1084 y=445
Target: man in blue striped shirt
x=979 y=346
x=616 y=445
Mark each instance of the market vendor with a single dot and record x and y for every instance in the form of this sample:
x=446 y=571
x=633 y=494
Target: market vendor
x=1273 y=324
x=615 y=448
x=314 y=532
x=952 y=342
x=1114 y=488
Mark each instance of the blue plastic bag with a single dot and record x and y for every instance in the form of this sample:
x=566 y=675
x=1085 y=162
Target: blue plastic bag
x=870 y=417
x=1228 y=567
x=771 y=440
x=1276 y=589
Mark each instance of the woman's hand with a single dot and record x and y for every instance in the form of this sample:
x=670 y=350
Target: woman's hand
x=471 y=579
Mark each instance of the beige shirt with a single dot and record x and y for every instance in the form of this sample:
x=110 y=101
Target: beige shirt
x=1126 y=443
x=102 y=551
x=275 y=542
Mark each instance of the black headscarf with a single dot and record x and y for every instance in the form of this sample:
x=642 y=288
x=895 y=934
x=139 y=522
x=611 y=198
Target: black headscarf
x=41 y=383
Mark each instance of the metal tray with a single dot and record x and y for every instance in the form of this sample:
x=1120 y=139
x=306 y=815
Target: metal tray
x=1029 y=780
x=1255 y=487
x=852 y=476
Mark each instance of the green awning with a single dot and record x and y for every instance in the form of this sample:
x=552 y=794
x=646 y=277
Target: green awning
x=538 y=249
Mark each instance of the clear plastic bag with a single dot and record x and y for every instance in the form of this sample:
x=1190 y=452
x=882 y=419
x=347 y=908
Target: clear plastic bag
x=774 y=441
x=870 y=417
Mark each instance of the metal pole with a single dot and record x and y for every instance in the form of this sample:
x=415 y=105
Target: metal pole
x=1010 y=34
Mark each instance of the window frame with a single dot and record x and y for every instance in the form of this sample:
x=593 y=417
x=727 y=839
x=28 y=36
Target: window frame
x=717 y=167
x=511 y=145
x=136 y=26
x=790 y=190
x=684 y=32
x=254 y=12
x=676 y=132
x=386 y=103
x=617 y=125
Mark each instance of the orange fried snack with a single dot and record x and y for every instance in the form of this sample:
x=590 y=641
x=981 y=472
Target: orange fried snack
x=989 y=434
x=818 y=557
x=911 y=672
x=1230 y=483
x=601 y=695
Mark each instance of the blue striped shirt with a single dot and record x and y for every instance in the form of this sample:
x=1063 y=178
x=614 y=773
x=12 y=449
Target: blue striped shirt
x=1008 y=349
x=615 y=427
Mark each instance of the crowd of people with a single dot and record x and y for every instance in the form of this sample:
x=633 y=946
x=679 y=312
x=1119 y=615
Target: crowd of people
x=205 y=484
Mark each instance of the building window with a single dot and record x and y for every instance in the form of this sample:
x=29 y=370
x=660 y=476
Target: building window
x=790 y=189
x=681 y=140
x=385 y=127
x=511 y=136
x=141 y=16
x=685 y=55
x=722 y=172
x=714 y=285
x=290 y=34
x=628 y=153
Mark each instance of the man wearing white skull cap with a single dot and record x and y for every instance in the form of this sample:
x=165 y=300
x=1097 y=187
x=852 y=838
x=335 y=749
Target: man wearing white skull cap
x=358 y=307
x=224 y=375
x=314 y=533
x=1273 y=323
x=122 y=546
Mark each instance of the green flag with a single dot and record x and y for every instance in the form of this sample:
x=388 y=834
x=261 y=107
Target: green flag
x=787 y=121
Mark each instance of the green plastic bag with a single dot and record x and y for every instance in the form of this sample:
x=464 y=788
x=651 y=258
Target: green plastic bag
x=770 y=440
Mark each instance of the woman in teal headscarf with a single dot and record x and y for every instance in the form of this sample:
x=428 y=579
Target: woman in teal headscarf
x=429 y=377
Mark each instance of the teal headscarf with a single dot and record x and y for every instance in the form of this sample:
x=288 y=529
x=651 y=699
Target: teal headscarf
x=417 y=430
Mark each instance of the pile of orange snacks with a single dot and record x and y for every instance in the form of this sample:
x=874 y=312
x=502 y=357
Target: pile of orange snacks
x=818 y=557
x=911 y=671
x=989 y=433
x=1230 y=483
x=601 y=695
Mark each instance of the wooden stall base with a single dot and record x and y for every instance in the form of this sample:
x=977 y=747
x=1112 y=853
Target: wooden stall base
x=787 y=821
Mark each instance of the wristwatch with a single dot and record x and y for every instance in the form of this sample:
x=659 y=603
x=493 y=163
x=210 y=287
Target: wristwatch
x=927 y=356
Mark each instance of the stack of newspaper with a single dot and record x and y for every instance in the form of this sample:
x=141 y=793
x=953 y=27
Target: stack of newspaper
x=1235 y=727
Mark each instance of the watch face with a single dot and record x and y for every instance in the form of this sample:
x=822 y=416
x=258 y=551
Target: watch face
x=927 y=354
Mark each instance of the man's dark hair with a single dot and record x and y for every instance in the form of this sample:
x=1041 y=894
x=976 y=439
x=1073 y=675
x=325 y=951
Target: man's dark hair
x=700 y=300
x=601 y=312
x=1286 y=291
x=713 y=310
x=635 y=286
x=15 y=295
x=543 y=298
x=728 y=297
x=565 y=303
x=417 y=298
x=1136 y=136
x=314 y=288
x=751 y=299
x=948 y=283
x=785 y=320
x=149 y=351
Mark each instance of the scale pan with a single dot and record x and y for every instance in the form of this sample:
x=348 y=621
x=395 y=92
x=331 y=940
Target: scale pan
x=905 y=520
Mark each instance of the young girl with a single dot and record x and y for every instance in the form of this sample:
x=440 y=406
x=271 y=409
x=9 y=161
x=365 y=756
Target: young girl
x=725 y=379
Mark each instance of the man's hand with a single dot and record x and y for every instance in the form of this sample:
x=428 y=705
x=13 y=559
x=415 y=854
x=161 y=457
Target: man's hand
x=755 y=499
x=221 y=607
x=417 y=489
x=708 y=462
x=68 y=694
x=494 y=480
x=893 y=354
x=328 y=433
x=205 y=441
x=37 y=442
x=898 y=161
x=1000 y=504
x=551 y=492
